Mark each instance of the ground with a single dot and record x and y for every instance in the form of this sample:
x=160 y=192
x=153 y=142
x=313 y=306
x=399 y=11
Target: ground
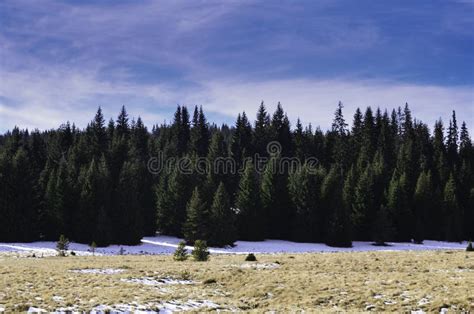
x=331 y=281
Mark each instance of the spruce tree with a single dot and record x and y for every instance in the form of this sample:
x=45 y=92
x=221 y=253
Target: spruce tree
x=181 y=254
x=338 y=230
x=248 y=205
x=223 y=220
x=423 y=207
x=275 y=199
x=383 y=227
x=261 y=136
x=197 y=222
x=364 y=206
x=453 y=212
x=399 y=208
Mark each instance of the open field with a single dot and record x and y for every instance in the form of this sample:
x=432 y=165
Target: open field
x=351 y=281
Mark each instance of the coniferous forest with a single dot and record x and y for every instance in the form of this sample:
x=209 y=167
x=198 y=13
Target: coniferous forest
x=389 y=177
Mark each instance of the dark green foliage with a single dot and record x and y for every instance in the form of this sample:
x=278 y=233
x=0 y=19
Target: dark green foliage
x=93 y=247
x=223 y=231
x=62 y=245
x=453 y=212
x=200 y=251
x=387 y=179
x=250 y=215
x=181 y=254
x=338 y=219
x=423 y=206
x=398 y=206
x=250 y=258
x=469 y=247
x=383 y=227
x=197 y=222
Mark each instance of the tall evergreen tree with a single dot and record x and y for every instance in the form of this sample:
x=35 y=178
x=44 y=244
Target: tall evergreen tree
x=250 y=216
x=424 y=207
x=223 y=219
x=196 y=226
x=338 y=232
x=453 y=212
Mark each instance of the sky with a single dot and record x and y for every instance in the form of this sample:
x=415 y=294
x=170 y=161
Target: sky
x=61 y=59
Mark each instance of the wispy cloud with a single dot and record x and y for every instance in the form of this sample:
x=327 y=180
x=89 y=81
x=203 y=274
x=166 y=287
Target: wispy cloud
x=48 y=99
x=59 y=59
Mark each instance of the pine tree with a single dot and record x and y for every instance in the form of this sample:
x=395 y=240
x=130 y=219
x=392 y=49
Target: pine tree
x=338 y=232
x=199 y=133
x=196 y=226
x=99 y=135
x=250 y=216
x=452 y=142
x=200 y=251
x=364 y=206
x=122 y=127
x=164 y=213
x=424 y=207
x=222 y=217
x=453 y=212
x=339 y=128
x=280 y=131
x=181 y=254
x=261 y=136
x=399 y=208
x=383 y=227
x=62 y=245
x=128 y=213
x=275 y=199
x=303 y=186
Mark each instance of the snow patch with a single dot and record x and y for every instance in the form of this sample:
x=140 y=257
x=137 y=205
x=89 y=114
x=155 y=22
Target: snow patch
x=167 y=245
x=258 y=265
x=150 y=281
x=33 y=309
x=105 y=271
x=164 y=307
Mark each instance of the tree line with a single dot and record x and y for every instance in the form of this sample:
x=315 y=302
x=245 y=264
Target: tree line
x=387 y=178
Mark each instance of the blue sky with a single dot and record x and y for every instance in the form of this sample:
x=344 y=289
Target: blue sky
x=59 y=60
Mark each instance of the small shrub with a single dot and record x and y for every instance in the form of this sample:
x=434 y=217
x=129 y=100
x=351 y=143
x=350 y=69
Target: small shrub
x=185 y=275
x=200 y=252
x=121 y=251
x=250 y=258
x=62 y=245
x=93 y=247
x=209 y=281
x=181 y=254
x=469 y=247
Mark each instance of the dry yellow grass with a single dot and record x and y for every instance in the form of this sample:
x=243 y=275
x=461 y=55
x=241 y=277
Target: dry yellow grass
x=380 y=281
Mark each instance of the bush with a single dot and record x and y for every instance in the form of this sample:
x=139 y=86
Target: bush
x=62 y=245
x=469 y=247
x=185 y=275
x=200 y=252
x=93 y=247
x=209 y=281
x=181 y=254
x=250 y=258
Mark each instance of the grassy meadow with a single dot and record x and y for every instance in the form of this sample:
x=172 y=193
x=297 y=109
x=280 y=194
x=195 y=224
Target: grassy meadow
x=356 y=281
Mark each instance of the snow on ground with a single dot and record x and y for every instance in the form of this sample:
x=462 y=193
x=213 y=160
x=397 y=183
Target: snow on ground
x=105 y=271
x=158 y=307
x=258 y=266
x=150 y=281
x=166 y=245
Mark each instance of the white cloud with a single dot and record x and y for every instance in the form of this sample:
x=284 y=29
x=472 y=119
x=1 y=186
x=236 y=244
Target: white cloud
x=46 y=99
x=314 y=101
